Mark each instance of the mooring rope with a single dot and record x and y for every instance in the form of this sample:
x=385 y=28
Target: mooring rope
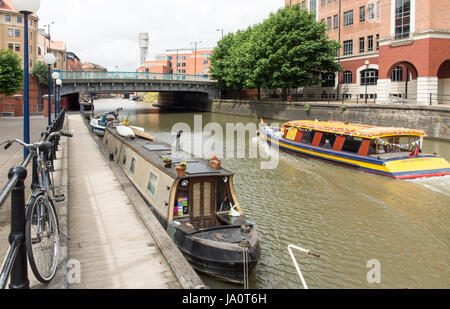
x=245 y=264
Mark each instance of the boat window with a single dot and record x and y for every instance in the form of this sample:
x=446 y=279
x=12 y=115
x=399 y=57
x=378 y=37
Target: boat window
x=308 y=136
x=133 y=166
x=106 y=141
x=116 y=152
x=327 y=140
x=352 y=144
x=124 y=161
x=152 y=182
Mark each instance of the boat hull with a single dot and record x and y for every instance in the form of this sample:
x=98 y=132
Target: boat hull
x=96 y=128
x=223 y=261
x=403 y=168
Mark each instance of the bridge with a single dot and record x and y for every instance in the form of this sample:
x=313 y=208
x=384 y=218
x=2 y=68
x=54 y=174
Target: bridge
x=175 y=89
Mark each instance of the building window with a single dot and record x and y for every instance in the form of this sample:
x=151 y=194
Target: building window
x=370 y=43
x=329 y=23
x=10 y=46
x=402 y=18
x=378 y=42
x=348 y=18
x=370 y=11
x=19 y=20
x=323 y=2
x=362 y=47
x=17 y=33
x=378 y=9
x=397 y=74
x=205 y=70
x=336 y=21
x=362 y=14
x=39 y=51
x=348 y=77
x=369 y=77
x=31 y=49
x=348 y=47
x=303 y=5
x=17 y=47
x=206 y=62
x=183 y=64
x=313 y=6
x=10 y=32
x=8 y=18
x=329 y=80
x=330 y=1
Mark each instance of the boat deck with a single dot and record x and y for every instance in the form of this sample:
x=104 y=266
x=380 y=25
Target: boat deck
x=154 y=151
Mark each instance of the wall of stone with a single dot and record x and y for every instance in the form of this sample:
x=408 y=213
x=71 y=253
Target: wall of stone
x=435 y=120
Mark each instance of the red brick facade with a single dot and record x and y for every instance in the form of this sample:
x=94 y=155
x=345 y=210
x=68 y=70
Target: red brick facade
x=14 y=105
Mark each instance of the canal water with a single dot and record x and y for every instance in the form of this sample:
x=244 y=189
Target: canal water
x=346 y=216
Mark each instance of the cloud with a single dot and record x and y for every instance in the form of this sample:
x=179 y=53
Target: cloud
x=106 y=31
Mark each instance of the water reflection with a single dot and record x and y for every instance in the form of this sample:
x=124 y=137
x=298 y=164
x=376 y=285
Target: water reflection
x=347 y=216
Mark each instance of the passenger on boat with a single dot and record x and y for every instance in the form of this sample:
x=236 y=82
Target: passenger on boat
x=327 y=144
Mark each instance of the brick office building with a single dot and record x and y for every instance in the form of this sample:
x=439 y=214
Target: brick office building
x=12 y=37
x=182 y=63
x=391 y=49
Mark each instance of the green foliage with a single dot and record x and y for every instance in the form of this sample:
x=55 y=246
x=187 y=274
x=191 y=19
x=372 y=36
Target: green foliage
x=288 y=50
x=11 y=72
x=40 y=71
x=307 y=108
x=343 y=107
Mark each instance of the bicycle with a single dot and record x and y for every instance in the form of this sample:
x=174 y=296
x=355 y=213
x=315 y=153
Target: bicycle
x=42 y=226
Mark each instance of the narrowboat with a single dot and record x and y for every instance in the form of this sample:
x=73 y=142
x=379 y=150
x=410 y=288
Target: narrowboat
x=386 y=151
x=199 y=210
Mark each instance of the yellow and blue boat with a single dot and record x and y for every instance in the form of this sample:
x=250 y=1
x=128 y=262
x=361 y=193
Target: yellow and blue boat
x=392 y=152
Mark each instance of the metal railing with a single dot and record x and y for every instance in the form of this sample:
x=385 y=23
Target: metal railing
x=94 y=75
x=15 y=264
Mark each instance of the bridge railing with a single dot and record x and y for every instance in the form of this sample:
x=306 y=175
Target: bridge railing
x=90 y=75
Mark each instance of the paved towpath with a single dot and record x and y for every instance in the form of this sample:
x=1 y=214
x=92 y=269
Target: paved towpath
x=114 y=248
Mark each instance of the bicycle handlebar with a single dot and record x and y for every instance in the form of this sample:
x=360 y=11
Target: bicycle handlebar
x=38 y=144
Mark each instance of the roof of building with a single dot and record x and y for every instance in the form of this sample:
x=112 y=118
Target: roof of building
x=358 y=130
x=72 y=56
x=89 y=65
x=55 y=45
x=6 y=5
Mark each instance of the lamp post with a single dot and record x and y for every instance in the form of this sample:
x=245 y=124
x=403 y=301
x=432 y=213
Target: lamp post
x=222 y=32
x=195 y=56
x=55 y=77
x=49 y=59
x=58 y=96
x=367 y=63
x=26 y=7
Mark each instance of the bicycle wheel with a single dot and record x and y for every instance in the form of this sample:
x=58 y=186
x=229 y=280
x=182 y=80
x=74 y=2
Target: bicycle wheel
x=42 y=238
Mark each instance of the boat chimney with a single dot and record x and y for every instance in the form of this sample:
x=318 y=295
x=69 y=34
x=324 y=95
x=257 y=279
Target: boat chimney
x=179 y=141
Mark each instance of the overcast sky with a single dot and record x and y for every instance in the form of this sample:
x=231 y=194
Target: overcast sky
x=105 y=32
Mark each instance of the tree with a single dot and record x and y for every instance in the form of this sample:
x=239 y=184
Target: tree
x=11 y=72
x=287 y=50
x=40 y=71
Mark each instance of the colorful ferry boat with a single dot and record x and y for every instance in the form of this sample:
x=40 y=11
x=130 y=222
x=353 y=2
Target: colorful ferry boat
x=392 y=152
x=199 y=210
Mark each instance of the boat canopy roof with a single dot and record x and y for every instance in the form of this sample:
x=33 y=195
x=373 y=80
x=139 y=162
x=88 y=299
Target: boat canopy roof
x=358 y=130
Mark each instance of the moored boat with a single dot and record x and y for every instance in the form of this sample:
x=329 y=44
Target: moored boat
x=392 y=152
x=100 y=122
x=199 y=210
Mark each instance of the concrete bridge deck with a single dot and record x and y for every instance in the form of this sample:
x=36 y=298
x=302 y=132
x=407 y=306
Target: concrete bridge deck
x=115 y=239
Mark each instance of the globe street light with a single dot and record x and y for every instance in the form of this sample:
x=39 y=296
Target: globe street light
x=49 y=59
x=55 y=76
x=26 y=7
x=58 y=86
